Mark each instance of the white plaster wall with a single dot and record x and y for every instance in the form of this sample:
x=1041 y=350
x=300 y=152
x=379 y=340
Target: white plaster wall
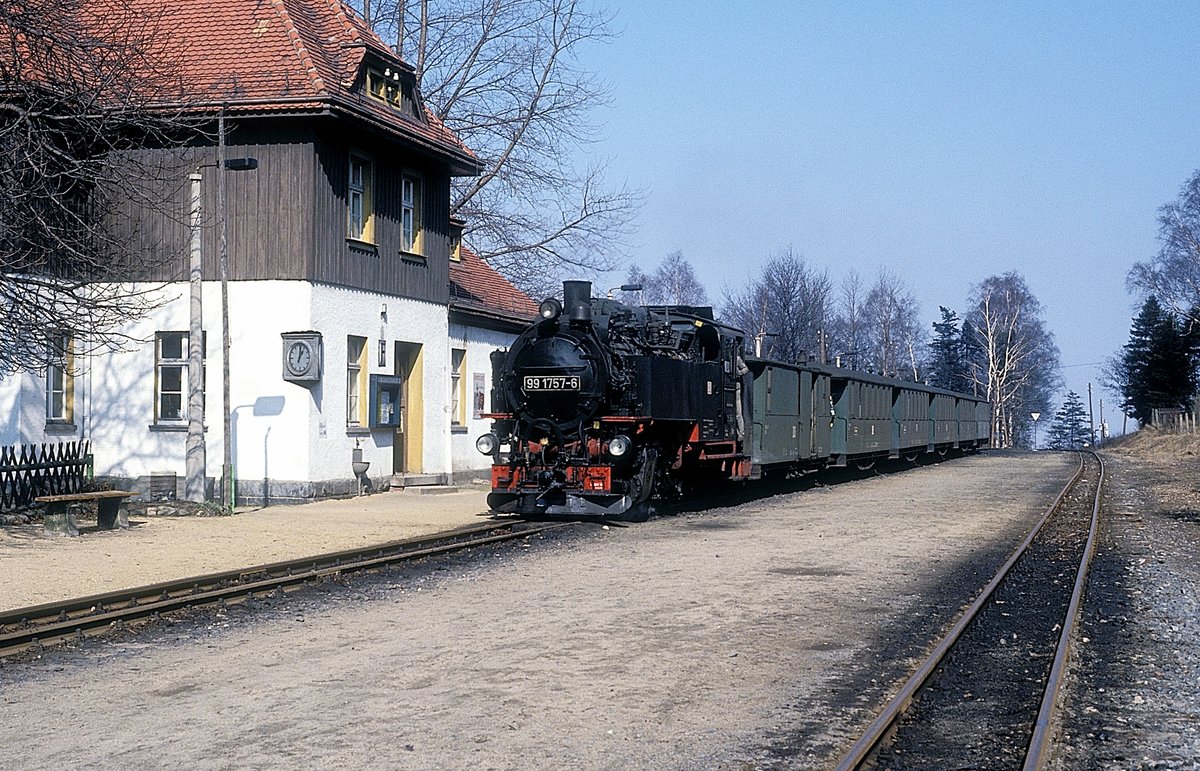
x=479 y=344
x=282 y=431
x=339 y=312
x=10 y=409
x=22 y=409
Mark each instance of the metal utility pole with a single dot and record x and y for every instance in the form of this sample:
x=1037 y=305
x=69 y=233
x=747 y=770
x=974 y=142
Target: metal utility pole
x=194 y=457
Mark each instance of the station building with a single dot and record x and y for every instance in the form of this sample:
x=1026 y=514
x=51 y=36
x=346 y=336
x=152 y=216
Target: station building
x=357 y=319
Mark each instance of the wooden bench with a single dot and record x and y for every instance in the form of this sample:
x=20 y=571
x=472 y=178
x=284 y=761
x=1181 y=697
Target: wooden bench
x=60 y=520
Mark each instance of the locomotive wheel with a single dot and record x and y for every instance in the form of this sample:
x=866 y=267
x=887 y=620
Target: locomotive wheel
x=641 y=485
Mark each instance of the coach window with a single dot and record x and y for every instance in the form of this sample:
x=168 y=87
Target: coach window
x=361 y=200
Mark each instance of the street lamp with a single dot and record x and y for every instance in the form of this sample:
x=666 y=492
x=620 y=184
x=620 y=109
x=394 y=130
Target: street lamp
x=195 y=453
x=625 y=288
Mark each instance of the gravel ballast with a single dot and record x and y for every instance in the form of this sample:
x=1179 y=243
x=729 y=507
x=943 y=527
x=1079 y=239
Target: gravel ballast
x=762 y=634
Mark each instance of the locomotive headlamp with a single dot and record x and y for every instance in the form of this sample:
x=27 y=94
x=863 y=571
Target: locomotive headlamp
x=619 y=445
x=487 y=444
x=550 y=308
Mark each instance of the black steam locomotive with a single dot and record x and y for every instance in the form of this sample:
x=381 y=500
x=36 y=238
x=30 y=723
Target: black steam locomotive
x=600 y=405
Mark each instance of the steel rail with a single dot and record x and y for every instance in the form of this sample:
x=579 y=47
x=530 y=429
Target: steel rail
x=64 y=609
x=1040 y=742
x=156 y=599
x=883 y=722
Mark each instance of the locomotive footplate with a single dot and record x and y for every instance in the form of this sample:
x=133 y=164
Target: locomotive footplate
x=558 y=504
x=573 y=491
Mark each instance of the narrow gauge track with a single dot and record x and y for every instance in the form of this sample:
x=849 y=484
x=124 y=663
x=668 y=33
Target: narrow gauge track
x=986 y=696
x=43 y=625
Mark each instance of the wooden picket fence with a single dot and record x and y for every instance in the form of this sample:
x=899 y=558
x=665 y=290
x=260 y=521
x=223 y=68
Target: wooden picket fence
x=30 y=470
x=1174 y=420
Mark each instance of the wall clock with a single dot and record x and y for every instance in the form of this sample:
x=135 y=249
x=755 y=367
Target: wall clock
x=302 y=357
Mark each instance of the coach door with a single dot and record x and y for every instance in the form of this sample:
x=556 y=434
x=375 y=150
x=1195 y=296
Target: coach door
x=407 y=442
x=822 y=415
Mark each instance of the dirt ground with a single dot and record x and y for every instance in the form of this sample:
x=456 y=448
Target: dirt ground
x=762 y=634
x=39 y=568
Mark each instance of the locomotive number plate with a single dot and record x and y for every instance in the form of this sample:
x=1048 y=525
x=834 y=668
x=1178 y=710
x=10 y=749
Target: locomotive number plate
x=551 y=383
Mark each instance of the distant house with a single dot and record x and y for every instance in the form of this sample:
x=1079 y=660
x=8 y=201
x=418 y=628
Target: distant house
x=356 y=319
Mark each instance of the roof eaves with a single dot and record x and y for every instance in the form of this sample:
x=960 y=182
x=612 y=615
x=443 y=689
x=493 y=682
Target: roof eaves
x=463 y=161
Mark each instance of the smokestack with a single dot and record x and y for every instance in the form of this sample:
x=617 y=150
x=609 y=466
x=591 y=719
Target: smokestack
x=577 y=299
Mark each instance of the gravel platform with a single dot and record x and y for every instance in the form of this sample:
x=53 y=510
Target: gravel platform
x=1134 y=695
x=757 y=635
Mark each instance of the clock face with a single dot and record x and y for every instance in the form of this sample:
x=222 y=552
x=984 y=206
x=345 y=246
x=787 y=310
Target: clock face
x=299 y=357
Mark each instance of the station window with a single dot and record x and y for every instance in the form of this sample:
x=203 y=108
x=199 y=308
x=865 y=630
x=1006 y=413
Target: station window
x=458 y=387
x=356 y=381
x=361 y=226
x=171 y=376
x=411 y=240
x=60 y=380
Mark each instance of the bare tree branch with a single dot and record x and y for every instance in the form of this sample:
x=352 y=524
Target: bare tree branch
x=504 y=75
x=82 y=91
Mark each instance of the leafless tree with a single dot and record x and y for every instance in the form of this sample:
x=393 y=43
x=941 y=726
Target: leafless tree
x=1016 y=362
x=80 y=95
x=1173 y=275
x=674 y=282
x=892 y=332
x=505 y=76
x=846 y=328
x=786 y=308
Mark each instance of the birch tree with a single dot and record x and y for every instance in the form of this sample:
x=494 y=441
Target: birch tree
x=673 y=282
x=892 y=329
x=1173 y=275
x=846 y=327
x=1017 y=362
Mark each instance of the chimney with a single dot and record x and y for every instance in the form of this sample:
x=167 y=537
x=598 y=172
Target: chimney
x=577 y=299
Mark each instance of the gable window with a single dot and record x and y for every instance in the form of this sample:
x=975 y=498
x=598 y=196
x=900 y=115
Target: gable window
x=356 y=381
x=392 y=88
x=171 y=376
x=361 y=199
x=410 y=215
x=458 y=387
x=60 y=381
x=385 y=86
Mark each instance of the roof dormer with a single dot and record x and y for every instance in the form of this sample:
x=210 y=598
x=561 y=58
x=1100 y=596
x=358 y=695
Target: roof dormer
x=394 y=85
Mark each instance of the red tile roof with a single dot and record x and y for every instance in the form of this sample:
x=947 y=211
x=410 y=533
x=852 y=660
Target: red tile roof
x=475 y=285
x=264 y=56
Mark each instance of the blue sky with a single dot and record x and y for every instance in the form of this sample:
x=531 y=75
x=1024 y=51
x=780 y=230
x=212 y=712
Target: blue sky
x=947 y=141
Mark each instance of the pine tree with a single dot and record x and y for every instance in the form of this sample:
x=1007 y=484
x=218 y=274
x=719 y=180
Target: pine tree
x=946 y=365
x=1160 y=365
x=1069 y=429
